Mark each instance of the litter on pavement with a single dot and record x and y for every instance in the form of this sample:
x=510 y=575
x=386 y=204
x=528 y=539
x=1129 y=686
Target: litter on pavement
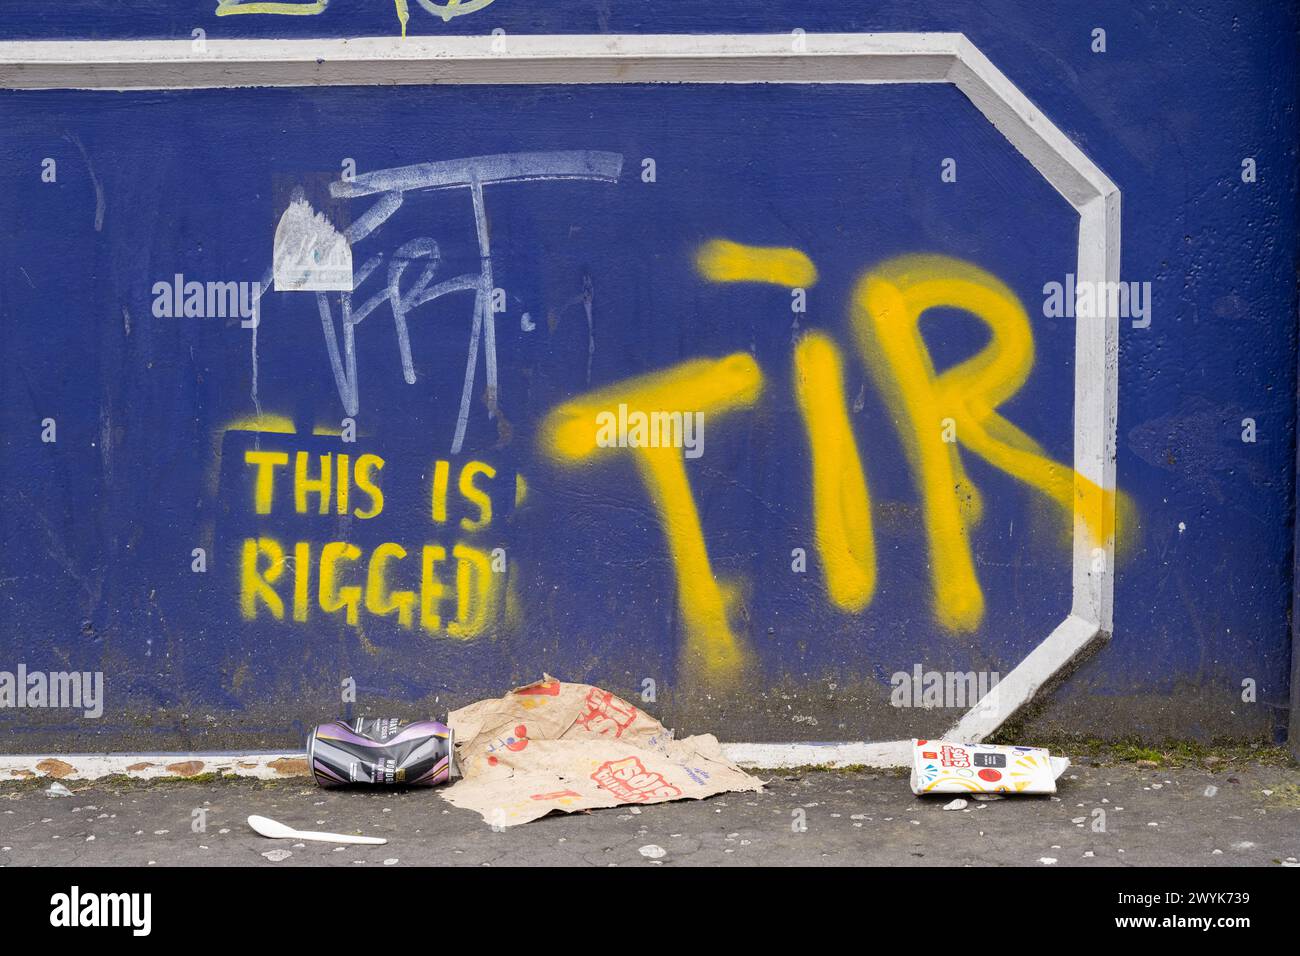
x=941 y=766
x=279 y=831
x=552 y=746
x=381 y=751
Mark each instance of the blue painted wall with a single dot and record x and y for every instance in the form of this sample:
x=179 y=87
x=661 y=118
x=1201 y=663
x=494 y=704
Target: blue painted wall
x=98 y=527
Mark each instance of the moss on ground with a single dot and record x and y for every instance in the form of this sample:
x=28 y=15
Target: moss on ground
x=1167 y=753
x=121 y=782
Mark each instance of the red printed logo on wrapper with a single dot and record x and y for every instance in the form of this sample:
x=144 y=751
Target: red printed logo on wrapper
x=546 y=688
x=628 y=780
x=954 y=757
x=514 y=744
x=519 y=741
x=606 y=714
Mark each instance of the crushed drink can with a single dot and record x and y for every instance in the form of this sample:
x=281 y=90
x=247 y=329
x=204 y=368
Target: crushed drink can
x=380 y=751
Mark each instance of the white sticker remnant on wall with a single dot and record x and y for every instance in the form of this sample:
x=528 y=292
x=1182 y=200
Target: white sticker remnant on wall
x=310 y=255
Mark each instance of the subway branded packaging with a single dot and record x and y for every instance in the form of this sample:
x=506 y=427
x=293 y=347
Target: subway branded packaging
x=380 y=751
x=943 y=766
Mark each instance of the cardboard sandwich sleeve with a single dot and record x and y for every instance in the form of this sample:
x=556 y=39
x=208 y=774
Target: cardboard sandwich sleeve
x=944 y=766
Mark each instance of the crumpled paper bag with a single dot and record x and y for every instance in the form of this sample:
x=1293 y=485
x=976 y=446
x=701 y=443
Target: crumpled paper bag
x=551 y=745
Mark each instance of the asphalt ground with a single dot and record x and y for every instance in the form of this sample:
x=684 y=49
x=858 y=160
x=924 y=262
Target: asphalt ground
x=1105 y=815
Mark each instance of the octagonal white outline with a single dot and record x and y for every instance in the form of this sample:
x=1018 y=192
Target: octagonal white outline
x=869 y=58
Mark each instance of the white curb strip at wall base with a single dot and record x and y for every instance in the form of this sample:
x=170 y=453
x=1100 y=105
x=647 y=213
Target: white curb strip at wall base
x=282 y=765
x=265 y=765
x=897 y=753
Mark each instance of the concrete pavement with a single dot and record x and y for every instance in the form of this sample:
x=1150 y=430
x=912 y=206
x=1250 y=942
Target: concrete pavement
x=1106 y=814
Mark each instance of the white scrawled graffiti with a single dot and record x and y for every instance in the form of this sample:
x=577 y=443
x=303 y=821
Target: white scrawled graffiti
x=303 y=237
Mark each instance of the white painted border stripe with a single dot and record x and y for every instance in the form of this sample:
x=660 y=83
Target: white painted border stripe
x=732 y=58
x=616 y=58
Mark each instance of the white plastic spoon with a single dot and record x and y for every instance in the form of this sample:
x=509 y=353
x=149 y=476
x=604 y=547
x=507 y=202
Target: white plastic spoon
x=279 y=831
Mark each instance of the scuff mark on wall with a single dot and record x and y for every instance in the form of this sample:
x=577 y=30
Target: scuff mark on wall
x=94 y=180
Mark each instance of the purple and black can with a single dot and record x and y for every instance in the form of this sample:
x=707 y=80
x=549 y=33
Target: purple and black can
x=380 y=751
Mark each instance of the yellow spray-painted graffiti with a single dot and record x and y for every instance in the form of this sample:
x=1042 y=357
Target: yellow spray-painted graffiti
x=887 y=306
x=935 y=413
x=310 y=8
x=709 y=386
x=474 y=590
x=841 y=506
x=724 y=261
x=304 y=485
x=347 y=580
